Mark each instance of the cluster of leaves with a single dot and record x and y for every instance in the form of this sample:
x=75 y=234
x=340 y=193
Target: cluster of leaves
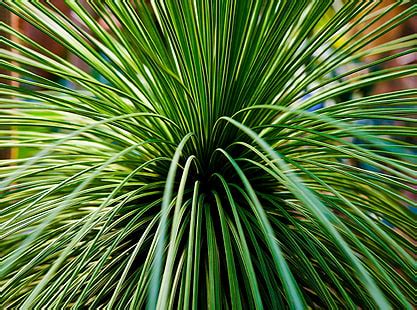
x=196 y=175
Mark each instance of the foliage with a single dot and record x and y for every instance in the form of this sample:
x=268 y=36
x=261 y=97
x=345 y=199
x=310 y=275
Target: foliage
x=195 y=174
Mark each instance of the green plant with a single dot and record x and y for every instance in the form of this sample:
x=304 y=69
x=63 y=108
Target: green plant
x=196 y=175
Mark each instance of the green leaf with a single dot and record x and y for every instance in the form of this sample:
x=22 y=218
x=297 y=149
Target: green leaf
x=182 y=165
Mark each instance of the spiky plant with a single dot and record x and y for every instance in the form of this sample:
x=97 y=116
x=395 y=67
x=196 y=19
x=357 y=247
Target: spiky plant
x=193 y=173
